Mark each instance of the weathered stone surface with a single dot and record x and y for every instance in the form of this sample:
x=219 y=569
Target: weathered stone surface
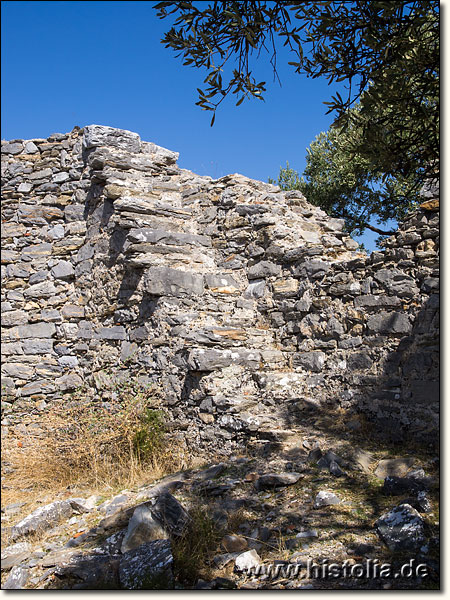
x=37 y=387
x=42 y=174
x=395 y=486
x=335 y=469
x=377 y=301
x=18 y=577
x=42 y=518
x=30 y=148
x=63 y=270
x=163 y=281
x=12 y=348
x=148 y=567
x=46 y=289
x=223 y=283
x=14 y=148
x=142 y=528
x=397 y=467
x=93 y=572
x=263 y=269
x=402 y=529
x=74 y=212
x=247 y=560
x=170 y=514
x=36 y=251
x=242 y=302
x=208 y=360
x=18 y=370
x=255 y=289
x=99 y=135
x=310 y=361
x=286 y=287
x=111 y=333
x=392 y=322
x=271 y=480
x=38 y=215
x=72 y=311
x=159 y=154
x=325 y=498
x=15 y=549
x=34 y=330
x=160 y=236
x=14 y=317
x=37 y=346
x=68 y=382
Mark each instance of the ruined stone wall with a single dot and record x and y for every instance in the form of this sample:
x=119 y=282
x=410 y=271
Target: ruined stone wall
x=243 y=304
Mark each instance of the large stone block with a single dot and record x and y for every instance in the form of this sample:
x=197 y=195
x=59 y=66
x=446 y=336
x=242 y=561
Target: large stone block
x=397 y=282
x=35 y=330
x=142 y=528
x=63 y=270
x=263 y=269
x=221 y=283
x=163 y=281
x=37 y=346
x=402 y=529
x=371 y=301
x=69 y=382
x=12 y=148
x=45 y=289
x=112 y=333
x=99 y=135
x=389 y=323
x=310 y=361
x=18 y=370
x=14 y=317
x=201 y=359
x=161 y=236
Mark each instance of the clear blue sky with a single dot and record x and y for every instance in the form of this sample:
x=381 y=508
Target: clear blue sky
x=78 y=63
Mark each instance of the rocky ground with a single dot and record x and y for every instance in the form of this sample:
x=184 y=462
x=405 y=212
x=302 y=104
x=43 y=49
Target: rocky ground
x=325 y=496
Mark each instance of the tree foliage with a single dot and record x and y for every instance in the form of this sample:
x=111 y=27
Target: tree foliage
x=346 y=184
x=387 y=52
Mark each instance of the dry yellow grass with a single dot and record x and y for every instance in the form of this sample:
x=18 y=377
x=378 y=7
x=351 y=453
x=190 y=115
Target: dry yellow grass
x=87 y=448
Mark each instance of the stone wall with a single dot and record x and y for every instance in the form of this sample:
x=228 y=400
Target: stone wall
x=243 y=305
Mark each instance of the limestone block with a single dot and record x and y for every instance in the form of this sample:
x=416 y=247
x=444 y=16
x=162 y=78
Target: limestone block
x=164 y=281
x=99 y=135
x=34 y=330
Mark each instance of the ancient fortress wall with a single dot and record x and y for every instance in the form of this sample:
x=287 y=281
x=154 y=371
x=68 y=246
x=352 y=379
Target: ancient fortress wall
x=243 y=304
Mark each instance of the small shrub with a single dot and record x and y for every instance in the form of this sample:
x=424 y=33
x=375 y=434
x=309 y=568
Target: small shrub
x=193 y=550
x=148 y=440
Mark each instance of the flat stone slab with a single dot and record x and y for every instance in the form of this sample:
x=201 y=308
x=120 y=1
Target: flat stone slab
x=396 y=467
x=271 y=480
x=362 y=460
x=44 y=517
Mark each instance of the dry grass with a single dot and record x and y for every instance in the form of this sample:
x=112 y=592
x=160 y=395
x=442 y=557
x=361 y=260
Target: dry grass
x=193 y=550
x=83 y=446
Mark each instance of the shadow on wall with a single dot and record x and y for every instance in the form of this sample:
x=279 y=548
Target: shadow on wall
x=399 y=405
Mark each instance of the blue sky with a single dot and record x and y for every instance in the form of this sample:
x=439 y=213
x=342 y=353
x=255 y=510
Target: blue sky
x=78 y=63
